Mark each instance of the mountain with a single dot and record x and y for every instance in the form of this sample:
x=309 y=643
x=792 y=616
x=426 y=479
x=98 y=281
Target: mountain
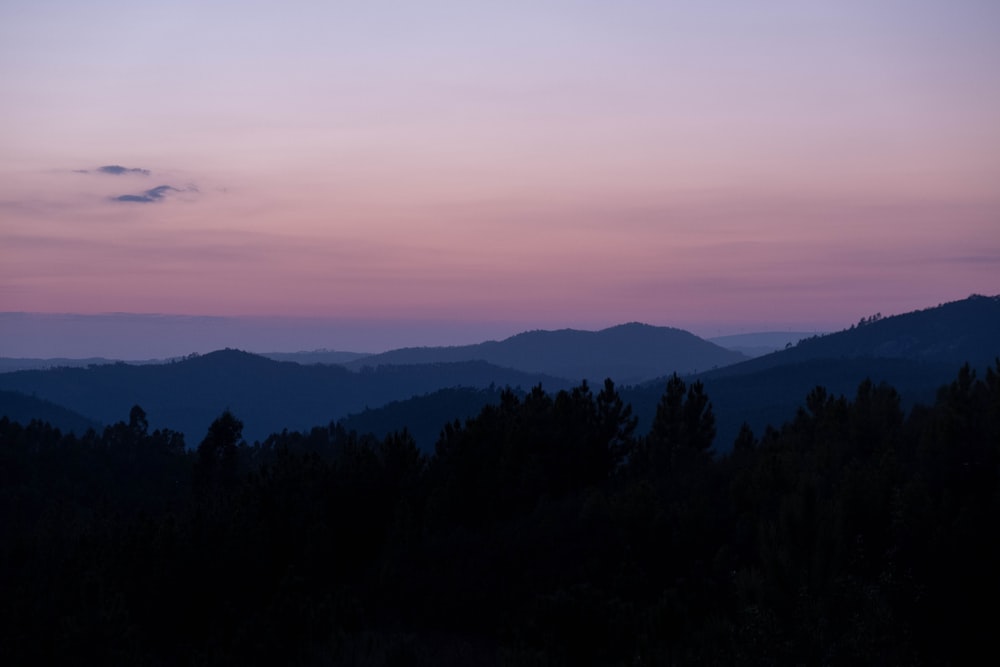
x=951 y=334
x=914 y=352
x=626 y=353
x=268 y=396
x=23 y=408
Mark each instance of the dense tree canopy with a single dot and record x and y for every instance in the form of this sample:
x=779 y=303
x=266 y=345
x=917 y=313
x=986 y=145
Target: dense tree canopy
x=544 y=530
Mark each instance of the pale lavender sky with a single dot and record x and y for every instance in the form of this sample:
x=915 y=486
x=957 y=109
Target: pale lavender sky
x=718 y=166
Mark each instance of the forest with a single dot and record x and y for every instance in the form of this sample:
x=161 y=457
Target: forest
x=545 y=530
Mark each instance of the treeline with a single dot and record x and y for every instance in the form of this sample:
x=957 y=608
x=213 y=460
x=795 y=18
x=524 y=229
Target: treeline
x=543 y=531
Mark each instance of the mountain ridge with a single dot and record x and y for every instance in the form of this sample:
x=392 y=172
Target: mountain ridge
x=630 y=352
x=269 y=396
x=955 y=332
x=768 y=390
x=915 y=352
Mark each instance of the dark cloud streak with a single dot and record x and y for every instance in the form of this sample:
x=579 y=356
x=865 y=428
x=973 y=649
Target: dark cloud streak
x=118 y=170
x=149 y=196
x=114 y=170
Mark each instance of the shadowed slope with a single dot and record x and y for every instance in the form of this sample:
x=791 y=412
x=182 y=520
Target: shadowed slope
x=267 y=395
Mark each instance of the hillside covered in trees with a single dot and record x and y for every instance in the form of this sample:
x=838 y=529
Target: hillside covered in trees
x=187 y=394
x=914 y=352
x=547 y=529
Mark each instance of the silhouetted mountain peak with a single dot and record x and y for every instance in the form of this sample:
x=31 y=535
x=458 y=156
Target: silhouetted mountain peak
x=950 y=334
x=638 y=326
x=630 y=352
x=229 y=358
x=225 y=354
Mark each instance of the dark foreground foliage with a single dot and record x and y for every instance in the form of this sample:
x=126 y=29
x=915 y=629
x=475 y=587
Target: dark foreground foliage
x=544 y=531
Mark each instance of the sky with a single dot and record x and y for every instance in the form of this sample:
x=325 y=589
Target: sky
x=471 y=169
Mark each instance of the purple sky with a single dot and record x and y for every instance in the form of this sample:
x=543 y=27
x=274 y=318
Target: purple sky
x=466 y=170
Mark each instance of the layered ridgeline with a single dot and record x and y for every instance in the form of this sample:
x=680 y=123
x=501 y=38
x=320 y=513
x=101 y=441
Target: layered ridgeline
x=966 y=331
x=424 y=388
x=628 y=353
x=546 y=530
x=270 y=395
x=23 y=408
x=10 y=364
x=915 y=352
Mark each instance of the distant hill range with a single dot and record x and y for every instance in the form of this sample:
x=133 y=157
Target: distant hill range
x=10 y=364
x=915 y=353
x=628 y=353
x=951 y=334
x=187 y=394
x=268 y=396
x=23 y=408
x=423 y=388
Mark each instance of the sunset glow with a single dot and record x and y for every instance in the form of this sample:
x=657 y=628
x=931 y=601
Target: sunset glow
x=715 y=166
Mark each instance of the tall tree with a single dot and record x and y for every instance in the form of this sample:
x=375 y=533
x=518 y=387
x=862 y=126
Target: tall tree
x=218 y=453
x=683 y=428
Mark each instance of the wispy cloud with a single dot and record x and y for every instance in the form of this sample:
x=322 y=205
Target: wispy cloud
x=149 y=196
x=115 y=170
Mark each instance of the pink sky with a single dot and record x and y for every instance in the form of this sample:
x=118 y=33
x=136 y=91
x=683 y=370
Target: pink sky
x=695 y=164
